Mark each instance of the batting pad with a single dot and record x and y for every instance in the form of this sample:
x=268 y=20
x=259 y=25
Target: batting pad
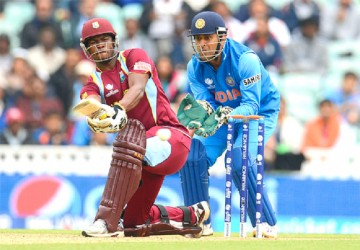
x=194 y=176
x=268 y=214
x=124 y=174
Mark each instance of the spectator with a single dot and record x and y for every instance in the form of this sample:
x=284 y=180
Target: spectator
x=324 y=130
x=259 y=9
x=61 y=82
x=181 y=50
x=283 y=151
x=83 y=70
x=265 y=46
x=5 y=54
x=81 y=134
x=307 y=52
x=243 y=14
x=35 y=102
x=297 y=10
x=29 y=36
x=15 y=132
x=71 y=26
x=234 y=26
x=134 y=38
x=347 y=98
x=173 y=80
x=158 y=21
x=53 y=131
x=20 y=73
x=341 y=21
x=46 y=56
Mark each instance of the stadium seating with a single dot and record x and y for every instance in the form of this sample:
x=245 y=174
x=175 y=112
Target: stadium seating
x=303 y=92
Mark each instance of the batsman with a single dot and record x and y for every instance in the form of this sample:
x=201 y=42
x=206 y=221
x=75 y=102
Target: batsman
x=124 y=96
x=225 y=78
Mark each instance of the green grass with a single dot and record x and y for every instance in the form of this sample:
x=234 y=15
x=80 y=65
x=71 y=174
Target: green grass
x=69 y=240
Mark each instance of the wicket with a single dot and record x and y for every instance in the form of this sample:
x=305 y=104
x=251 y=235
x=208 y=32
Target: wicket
x=244 y=172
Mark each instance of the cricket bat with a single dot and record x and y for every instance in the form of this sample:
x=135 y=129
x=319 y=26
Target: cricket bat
x=89 y=107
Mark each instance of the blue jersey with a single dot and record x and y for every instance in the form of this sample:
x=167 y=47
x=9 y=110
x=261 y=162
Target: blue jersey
x=241 y=82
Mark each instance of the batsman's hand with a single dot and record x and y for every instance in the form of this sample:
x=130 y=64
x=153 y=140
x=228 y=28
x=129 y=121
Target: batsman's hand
x=192 y=113
x=109 y=120
x=214 y=122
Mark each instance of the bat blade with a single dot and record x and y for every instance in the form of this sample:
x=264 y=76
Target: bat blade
x=88 y=107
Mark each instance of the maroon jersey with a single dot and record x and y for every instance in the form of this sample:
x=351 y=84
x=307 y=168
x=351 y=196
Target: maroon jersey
x=154 y=108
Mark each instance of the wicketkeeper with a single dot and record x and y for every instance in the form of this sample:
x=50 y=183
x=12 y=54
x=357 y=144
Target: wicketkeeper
x=226 y=78
x=127 y=98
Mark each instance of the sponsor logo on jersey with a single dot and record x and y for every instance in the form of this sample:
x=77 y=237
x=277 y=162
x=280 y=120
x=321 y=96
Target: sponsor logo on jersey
x=112 y=92
x=228 y=95
x=142 y=66
x=109 y=86
x=210 y=83
x=230 y=81
x=252 y=79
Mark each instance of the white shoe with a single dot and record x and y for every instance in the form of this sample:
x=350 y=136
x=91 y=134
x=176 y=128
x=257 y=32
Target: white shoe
x=207 y=230
x=99 y=229
x=267 y=231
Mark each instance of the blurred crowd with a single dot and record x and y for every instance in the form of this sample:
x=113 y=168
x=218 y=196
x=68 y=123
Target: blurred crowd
x=42 y=67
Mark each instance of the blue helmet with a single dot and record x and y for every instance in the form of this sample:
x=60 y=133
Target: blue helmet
x=206 y=23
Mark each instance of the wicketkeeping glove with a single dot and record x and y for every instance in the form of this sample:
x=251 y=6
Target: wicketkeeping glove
x=115 y=120
x=193 y=113
x=214 y=122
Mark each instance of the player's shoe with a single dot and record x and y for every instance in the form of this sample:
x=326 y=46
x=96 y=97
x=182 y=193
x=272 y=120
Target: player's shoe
x=207 y=230
x=268 y=231
x=202 y=213
x=99 y=229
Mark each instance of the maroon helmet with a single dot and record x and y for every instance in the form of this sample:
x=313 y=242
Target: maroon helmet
x=95 y=27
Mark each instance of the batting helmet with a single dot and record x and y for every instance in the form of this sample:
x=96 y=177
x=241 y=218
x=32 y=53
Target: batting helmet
x=207 y=23
x=95 y=27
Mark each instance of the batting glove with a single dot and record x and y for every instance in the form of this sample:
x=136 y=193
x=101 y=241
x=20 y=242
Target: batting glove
x=114 y=121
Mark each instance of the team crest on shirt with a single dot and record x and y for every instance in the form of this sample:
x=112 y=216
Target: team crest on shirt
x=122 y=77
x=251 y=80
x=230 y=81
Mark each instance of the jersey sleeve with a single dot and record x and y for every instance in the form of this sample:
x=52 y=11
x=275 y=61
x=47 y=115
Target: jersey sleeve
x=90 y=88
x=250 y=85
x=198 y=89
x=138 y=61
